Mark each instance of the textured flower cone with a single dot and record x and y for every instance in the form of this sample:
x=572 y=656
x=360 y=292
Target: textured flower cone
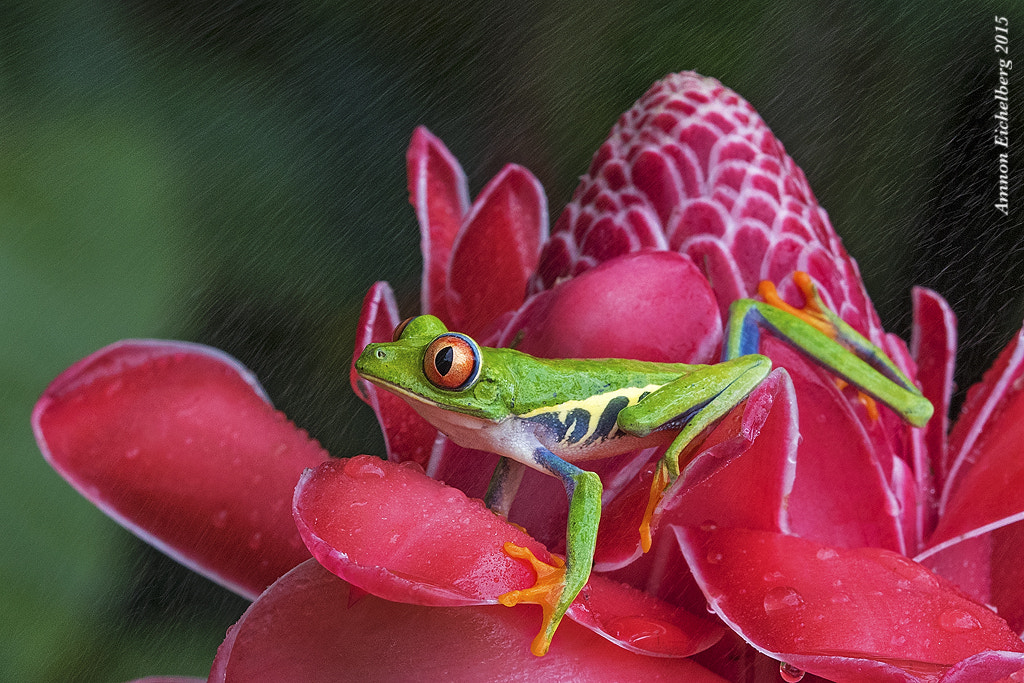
x=691 y=167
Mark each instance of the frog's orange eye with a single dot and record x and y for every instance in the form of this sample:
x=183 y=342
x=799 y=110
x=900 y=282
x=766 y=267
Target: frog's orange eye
x=397 y=334
x=452 y=362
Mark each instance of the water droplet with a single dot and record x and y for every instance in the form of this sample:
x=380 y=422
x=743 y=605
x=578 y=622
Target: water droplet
x=708 y=525
x=826 y=554
x=772 y=577
x=362 y=467
x=708 y=606
x=256 y=540
x=714 y=557
x=957 y=620
x=790 y=673
x=782 y=597
x=412 y=465
x=899 y=640
x=839 y=599
x=132 y=453
x=220 y=520
x=646 y=633
x=915 y=575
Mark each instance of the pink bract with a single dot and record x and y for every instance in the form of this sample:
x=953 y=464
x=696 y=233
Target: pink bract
x=795 y=522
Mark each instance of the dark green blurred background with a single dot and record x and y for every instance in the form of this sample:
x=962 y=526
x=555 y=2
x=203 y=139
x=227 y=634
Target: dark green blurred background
x=233 y=173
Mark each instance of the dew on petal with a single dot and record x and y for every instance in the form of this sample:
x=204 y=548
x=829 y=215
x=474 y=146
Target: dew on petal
x=714 y=557
x=839 y=599
x=782 y=597
x=958 y=621
x=645 y=633
x=826 y=554
x=364 y=466
x=916 y=575
x=220 y=519
x=790 y=673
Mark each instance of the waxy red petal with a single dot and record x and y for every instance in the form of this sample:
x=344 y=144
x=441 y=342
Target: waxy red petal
x=653 y=306
x=402 y=536
x=407 y=436
x=841 y=494
x=440 y=195
x=979 y=537
x=305 y=629
x=843 y=614
x=497 y=250
x=639 y=622
x=934 y=350
x=745 y=472
x=178 y=443
x=986 y=482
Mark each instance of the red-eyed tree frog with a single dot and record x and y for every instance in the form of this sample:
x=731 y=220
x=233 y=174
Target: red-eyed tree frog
x=550 y=414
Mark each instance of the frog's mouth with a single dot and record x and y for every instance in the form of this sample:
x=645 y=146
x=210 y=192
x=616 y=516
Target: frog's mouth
x=421 y=404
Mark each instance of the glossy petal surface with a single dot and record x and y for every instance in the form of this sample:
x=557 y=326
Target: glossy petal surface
x=496 y=250
x=840 y=613
x=841 y=495
x=744 y=474
x=979 y=538
x=440 y=195
x=400 y=535
x=653 y=306
x=934 y=348
x=986 y=483
x=178 y=443
x=306 y=627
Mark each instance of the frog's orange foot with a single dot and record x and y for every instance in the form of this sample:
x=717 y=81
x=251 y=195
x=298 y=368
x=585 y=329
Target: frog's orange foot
x=814 y=312
x=545 y=592
x=658 y=486
x=870 y=404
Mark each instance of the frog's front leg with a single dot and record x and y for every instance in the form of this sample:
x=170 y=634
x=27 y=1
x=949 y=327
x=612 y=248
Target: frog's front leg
x=691 y=403
x=501 y=491
x=558 y=586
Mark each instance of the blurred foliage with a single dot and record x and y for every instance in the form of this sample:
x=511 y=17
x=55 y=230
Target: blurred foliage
x=233 y=173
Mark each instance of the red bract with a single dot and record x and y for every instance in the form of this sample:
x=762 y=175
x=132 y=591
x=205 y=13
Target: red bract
x=179 y=444
x=794 y=523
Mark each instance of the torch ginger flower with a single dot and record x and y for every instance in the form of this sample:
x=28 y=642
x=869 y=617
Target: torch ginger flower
x=844 y=544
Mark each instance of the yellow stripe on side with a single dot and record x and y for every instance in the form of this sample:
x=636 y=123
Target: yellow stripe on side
x=592 y=406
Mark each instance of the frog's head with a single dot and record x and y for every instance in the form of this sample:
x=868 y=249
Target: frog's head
x=426 y=364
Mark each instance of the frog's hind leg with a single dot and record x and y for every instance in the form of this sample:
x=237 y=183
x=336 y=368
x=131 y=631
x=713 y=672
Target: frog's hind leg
x=823 y=337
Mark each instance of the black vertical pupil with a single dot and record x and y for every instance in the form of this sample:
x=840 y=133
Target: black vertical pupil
x=443 y=360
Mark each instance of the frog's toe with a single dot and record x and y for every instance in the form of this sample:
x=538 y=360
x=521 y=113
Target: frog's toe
x=546 y=592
